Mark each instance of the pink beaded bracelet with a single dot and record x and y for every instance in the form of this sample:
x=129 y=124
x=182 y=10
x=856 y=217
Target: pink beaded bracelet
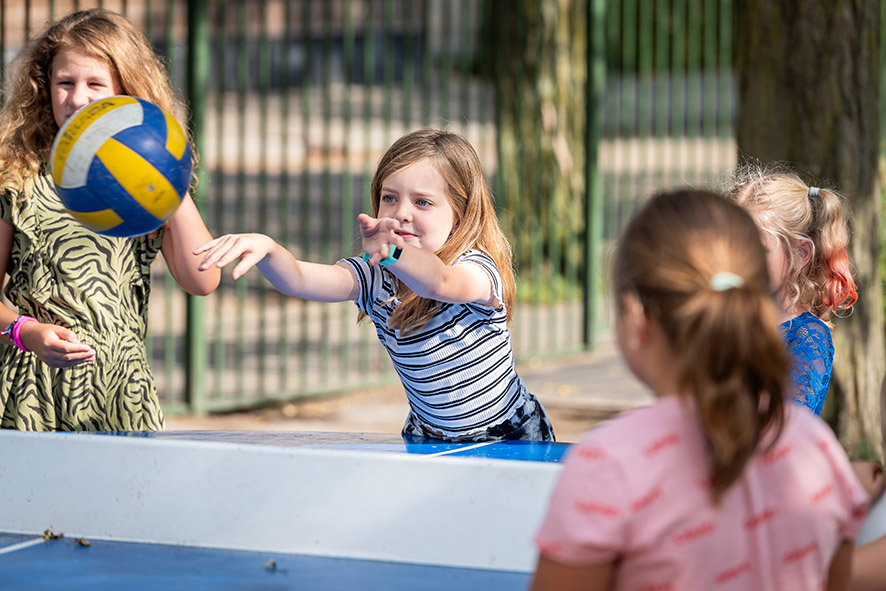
x=17 y=329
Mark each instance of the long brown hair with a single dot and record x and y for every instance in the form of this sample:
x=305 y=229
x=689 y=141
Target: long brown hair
x=730 y=355
x=476 y=227
x=27 y=125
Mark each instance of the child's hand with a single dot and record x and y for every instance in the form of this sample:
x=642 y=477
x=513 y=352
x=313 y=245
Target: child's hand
x=250 y=249
x=870 y=474
x=378 y=236
x=56 y=346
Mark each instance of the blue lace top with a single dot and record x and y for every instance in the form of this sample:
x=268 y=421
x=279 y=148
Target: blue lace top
x=809 y=341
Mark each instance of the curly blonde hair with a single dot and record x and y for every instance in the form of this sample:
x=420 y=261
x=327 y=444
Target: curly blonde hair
x=477 y=225
x=783 y=206
x=27 y=125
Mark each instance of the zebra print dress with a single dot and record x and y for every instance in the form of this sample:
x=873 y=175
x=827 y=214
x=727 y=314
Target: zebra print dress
x=62 y=273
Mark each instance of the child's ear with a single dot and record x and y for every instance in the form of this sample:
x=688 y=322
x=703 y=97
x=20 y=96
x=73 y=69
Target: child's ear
x=805 y=251
x=635 y=321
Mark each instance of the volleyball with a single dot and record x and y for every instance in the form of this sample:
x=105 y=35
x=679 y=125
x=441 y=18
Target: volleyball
x=121 y=166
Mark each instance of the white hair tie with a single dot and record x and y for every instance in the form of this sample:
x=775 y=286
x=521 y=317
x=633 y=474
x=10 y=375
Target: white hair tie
x=725 y=280
x=813 y=191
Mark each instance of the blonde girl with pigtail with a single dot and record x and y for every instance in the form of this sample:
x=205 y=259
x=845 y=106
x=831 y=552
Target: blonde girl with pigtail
x=436 y=280
x=806 y=233
x=719 y=483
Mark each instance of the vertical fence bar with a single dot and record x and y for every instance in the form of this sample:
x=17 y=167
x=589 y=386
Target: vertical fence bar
x=410 y=49
x=499 y=40
x=612 y=101
x=284 y=180
x=427 y=64
x=630 y=127
x=662 y=93
x=445 y=76
x=724 y=83
x=170 y=291
x=241 y=287
x=518 y=187
x=326 y=113
x=646 y=101
x=694 y=102
x=304 y=191
x=709 y=80
x=347 y=236
x=464 y=68
x=197 y=90
x=388 y=68
x=368 y=89
x=677 y=112
x=616 y=94
x=596 y=79
x=263 y=324
x=487 y=72
x=218 y=177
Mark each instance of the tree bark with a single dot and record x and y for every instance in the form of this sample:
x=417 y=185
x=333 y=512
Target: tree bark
x=539 y=75
x=809 y=83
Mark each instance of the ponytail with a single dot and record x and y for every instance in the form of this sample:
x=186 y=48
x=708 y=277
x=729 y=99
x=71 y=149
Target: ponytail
x=830 y=268
x=732 y=359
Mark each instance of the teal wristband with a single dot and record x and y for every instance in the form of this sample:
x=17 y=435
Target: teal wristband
x=393 y=256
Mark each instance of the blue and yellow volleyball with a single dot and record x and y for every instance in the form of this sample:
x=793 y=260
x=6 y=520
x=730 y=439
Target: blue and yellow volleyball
x=121 y=166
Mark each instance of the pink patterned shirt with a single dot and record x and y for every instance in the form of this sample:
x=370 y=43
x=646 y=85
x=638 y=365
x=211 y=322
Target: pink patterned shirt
x=636 y=489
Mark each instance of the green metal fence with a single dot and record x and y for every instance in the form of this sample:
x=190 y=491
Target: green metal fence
x=293 y=102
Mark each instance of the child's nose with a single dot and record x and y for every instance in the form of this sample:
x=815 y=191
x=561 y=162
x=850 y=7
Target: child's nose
x=404 y=212
x=80 y=96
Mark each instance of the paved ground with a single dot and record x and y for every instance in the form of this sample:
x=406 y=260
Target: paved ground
x=577 y=392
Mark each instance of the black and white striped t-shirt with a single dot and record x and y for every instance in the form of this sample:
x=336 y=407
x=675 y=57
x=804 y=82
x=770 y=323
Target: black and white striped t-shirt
x=458 y=369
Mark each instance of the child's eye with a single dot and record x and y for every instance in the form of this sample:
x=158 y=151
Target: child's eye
x=423 y=203
x=388 y=198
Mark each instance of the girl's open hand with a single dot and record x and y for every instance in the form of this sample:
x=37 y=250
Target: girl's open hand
x=249 y=249
x=56 y=346
x=378 y=236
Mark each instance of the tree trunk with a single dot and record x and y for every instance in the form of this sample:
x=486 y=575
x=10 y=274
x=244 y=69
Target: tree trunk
x=539 y=75
x=808 y=80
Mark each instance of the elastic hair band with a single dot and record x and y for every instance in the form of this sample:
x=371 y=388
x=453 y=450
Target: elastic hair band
x=813 y=192
x=725 y=280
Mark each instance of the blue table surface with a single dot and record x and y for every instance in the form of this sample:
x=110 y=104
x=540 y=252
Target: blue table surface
x=102 y=565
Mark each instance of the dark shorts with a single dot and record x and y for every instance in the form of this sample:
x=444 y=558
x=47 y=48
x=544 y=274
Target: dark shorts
x=530 y=422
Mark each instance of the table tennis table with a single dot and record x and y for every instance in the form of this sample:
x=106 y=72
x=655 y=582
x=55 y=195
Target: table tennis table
x=268 y=510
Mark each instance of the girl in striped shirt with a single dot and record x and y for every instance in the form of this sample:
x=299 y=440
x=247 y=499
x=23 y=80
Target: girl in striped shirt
x=436 y=279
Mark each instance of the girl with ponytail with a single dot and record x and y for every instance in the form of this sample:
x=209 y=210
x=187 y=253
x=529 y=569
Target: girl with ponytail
x=718 y=484
x=805 y=231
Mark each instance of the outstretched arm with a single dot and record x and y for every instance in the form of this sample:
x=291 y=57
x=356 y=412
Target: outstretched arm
x=311 y=281
x=184 y=232
x=422 y=270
